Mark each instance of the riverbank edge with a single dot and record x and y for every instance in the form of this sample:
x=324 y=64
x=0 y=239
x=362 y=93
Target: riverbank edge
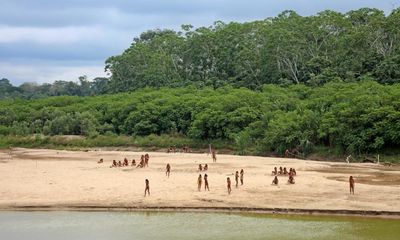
x=271 y=211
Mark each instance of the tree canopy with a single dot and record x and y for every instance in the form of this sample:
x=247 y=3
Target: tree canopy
x=348 y=117
x=287 y=49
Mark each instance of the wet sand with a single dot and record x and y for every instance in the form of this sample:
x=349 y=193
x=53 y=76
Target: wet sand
x=41 y=178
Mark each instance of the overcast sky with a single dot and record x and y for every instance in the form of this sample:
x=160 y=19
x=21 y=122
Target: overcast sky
x=47 y=40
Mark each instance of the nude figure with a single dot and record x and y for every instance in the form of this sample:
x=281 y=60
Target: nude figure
x=291 y=179
x=147 y=189
x=141 y=164
x=275 y=181
x=205 y=167
x=206 y=187
x=146 y=160
x=287 y=153
x=168 y=170
x=285 y=172
x=119 y=164
x=133 y=162
x=241 y=176
x=351 y=182
x=237 y=178
x=126 y=163
x=199 y=180
x=214 y=156
x=200 y=168
x=114 y=164
x=280 y=171
x=275 y=172
x=228 y=182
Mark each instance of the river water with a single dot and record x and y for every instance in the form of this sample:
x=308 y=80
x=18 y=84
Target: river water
x=179 y=225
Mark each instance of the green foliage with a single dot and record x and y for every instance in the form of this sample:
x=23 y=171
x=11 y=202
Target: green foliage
x=359 y=117
x=59 y=88
x=328 y=81
x=287 y=49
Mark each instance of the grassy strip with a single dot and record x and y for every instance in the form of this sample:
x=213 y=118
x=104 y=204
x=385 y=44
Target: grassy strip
x=78 y=142
x=162 y=142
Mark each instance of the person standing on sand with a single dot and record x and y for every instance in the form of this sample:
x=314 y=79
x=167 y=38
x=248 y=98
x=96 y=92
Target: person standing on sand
x=147 y=189
x=199 y=180
x=237 y=178
x=228 y=182
x=146 y=160
x=168 y=170
x=351 y=182
x=214 y=156
x=241 y=176
x=206 y=187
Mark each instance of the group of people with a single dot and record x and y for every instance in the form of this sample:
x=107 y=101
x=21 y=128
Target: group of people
x=228 y=180
x=185 y=149
x=124 y=163
x=283 y=171
x=144 y=162
x=200 y=182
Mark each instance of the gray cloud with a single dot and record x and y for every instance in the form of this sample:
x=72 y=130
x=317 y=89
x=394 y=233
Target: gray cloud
x=45 y=40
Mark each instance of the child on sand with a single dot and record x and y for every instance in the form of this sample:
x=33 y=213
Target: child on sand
x=275 y=171
x=205 y=167
x=114 y=164
x=291 y=179
x=125 y=164
x=275 y=181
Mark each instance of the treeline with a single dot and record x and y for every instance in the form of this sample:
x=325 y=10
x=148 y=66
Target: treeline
x=28 y=90
x=287 y=49
x=359 y=117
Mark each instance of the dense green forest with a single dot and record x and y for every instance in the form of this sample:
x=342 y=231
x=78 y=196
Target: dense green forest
x=329 y=81
x=287 y=49
x=361 y=117
x=31 y=90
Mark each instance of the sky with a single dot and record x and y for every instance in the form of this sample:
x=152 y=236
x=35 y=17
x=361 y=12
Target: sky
x=47 y=40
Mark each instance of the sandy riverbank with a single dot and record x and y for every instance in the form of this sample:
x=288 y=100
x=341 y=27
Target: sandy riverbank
x=52 y=178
